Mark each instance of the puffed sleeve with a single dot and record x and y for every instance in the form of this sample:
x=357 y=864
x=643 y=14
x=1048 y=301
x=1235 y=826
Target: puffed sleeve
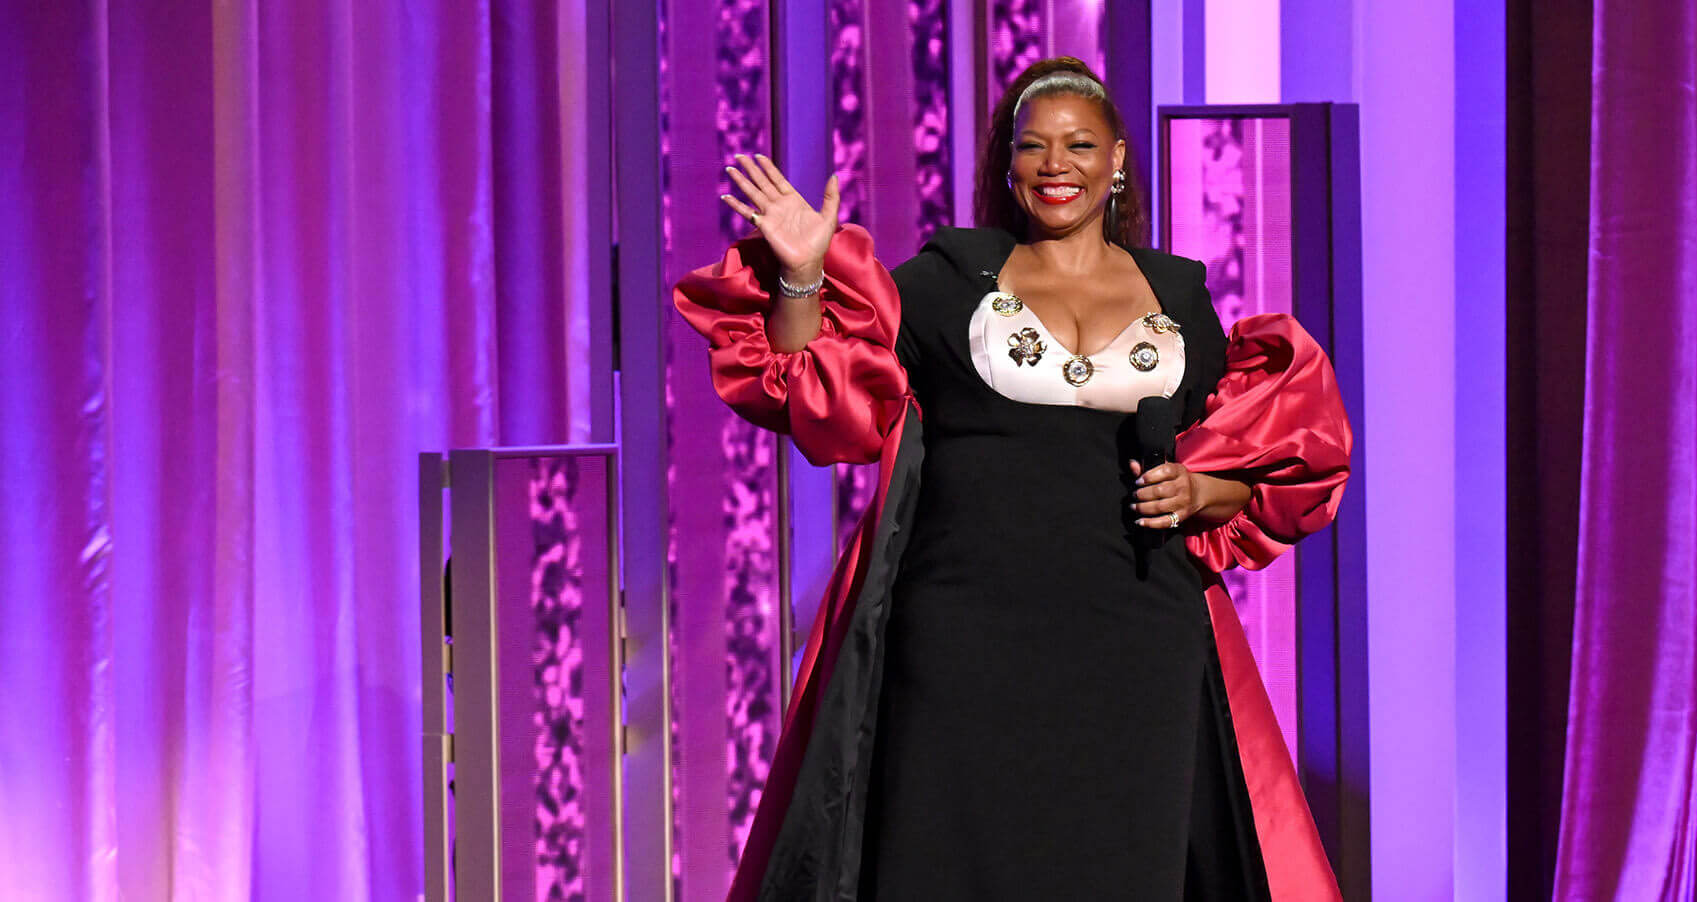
x=1276 y=420
x=838 y=397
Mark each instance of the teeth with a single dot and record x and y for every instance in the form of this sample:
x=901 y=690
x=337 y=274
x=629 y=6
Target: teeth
x=1058 y=192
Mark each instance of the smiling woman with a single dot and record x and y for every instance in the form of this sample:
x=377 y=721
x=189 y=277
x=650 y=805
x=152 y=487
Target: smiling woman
x=1027 y=681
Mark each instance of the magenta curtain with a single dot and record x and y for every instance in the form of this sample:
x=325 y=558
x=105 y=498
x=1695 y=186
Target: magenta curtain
x=1628 y=829
x=253 y=259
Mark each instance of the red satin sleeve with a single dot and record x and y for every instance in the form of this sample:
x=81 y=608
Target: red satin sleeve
x=1277 y=421
x=838 y=397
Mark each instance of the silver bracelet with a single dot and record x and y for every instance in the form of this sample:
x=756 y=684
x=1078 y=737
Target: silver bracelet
x=800 y=291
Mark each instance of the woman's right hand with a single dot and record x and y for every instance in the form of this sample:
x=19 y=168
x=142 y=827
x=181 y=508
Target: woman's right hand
x=797 y=234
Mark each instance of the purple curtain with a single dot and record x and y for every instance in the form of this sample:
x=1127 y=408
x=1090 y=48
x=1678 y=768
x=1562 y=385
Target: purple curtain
x=253 y=259
x=1628 y=829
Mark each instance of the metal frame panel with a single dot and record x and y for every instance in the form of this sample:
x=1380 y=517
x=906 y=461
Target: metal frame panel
x=492 y=851
x=802 y=147
x=433 y=670
x=477 y=754
x=641 y=299
x=1331 y=565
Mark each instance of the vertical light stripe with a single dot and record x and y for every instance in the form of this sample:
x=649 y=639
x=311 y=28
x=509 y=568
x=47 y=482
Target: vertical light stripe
x=1242 y=41
x=1480 y=452
x=1407 y=97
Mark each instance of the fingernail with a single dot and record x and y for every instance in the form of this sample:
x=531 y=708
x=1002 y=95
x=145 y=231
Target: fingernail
x=724 y=197
x=1139 y=480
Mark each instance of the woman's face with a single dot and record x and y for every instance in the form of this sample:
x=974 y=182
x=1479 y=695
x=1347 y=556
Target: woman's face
x=1064 y=159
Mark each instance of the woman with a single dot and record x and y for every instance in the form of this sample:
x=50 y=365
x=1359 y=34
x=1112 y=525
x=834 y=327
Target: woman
x=1027 y=682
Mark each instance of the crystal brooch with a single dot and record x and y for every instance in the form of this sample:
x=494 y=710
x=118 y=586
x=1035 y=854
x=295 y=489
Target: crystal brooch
x=1026 y=346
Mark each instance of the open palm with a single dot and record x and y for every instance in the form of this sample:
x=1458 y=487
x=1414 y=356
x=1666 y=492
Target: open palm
x=797 y=233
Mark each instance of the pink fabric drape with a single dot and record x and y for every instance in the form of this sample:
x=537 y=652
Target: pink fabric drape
x=1629 y=815
x=248 y=270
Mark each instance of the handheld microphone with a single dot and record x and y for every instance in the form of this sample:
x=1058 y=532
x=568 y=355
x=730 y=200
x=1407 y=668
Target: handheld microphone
x=1156 y=431
x=1156 y=428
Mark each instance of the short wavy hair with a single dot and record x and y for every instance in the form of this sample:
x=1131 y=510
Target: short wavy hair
x=1126 y=222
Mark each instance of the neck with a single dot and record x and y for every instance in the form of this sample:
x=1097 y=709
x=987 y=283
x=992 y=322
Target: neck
x=1081 y=250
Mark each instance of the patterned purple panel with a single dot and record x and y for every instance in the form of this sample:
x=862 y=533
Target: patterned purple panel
x=751 y=635
x=849 y=160
x=1229 y=205
x=848 y=105
x=751 y=575
x=1015 y=41
x=556 y=592
x=929 y=21
x=674 y=700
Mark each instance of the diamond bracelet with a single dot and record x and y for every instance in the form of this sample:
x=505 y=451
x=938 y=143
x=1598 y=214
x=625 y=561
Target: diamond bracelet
x=800 y=291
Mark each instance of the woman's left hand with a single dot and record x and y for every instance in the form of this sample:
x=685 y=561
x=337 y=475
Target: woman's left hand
x=1172 y=488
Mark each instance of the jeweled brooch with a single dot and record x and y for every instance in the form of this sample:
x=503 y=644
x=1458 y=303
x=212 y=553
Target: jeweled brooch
x=1026 y=346
x=1006 y=304
x=1159 y=323
x=1078 y=370
x=1145 y=357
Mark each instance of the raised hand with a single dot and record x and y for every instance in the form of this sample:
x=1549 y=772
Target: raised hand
x=797 y=233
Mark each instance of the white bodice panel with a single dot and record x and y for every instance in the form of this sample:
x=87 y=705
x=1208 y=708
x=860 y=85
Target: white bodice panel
x=1018 y=358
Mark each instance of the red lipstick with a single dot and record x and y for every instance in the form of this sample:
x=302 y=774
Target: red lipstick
x=1071 y=193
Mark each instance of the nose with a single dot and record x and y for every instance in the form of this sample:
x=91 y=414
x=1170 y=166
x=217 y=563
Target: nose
x=1054 y=162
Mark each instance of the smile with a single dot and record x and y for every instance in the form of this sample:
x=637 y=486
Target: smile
x=1056 y=194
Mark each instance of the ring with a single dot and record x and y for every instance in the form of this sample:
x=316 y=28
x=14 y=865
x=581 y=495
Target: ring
x=754 y=220
x=1174 y=524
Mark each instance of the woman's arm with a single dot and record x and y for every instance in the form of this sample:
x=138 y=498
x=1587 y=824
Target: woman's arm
x=1174 y=488
x=821 y=368
x=1276 y=416
x=798 y=235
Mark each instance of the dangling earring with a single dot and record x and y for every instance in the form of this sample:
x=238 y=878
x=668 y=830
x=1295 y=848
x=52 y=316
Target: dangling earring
x=1119 y=181
x=1010 y=181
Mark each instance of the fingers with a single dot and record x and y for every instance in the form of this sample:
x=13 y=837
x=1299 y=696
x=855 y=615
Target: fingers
x=758 y=177
x=1163 y=473
x=757 y=198
x=1160 y=494
x=1160 y=507
x=744 y=210
x=777 y=179
x=833 y=200
x=1159 y=514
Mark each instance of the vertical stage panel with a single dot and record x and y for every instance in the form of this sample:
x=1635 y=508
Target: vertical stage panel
x=537 y=724
x=723 y=472
x=893 y=149
x=1228 y=205
x=1268 y=197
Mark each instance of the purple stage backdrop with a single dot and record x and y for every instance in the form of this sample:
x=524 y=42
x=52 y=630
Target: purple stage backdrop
x=1627 y=828
x=255 y=256
x=253 y=259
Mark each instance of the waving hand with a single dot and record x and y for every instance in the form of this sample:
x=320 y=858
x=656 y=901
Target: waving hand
x=797 y=233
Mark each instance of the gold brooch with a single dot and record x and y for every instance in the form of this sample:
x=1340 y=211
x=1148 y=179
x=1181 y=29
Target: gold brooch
x=1159 y=323
x=1145 y=357
x=1078 y=370
x=1006 y=304
x=1026 y=346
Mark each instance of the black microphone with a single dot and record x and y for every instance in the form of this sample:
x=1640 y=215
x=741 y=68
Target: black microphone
x=1156 y=426
x=1156 y=431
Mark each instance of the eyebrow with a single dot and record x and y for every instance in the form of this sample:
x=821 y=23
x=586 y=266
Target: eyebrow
x=1072 y=134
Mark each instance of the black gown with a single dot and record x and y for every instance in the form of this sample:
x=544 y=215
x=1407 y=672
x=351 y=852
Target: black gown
x=1050 y=718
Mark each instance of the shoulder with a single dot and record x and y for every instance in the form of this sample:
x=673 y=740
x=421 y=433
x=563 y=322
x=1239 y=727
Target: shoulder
x=1171 y=268
x=954 y=255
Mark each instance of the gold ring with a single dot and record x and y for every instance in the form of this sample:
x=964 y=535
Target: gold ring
x=754 y=220
x=1174 y=524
